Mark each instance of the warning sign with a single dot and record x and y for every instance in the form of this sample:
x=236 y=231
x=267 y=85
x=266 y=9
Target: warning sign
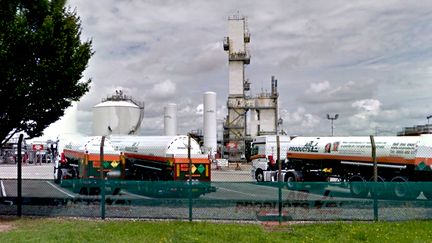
x=231 y=145
x=115 y=163
x=37 y=147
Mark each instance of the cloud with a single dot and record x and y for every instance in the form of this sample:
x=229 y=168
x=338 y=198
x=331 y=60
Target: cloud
x=368 y=61
x=319 y=87
x=299 y=121
x=325 y=92
x=369 y=105
x=200 y=109
x=162 y=90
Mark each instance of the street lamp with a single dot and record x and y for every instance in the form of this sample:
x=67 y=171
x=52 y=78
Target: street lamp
x=332 y=119
x=279 y=124
x=428 y=117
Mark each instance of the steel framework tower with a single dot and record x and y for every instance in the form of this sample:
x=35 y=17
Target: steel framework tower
x=262 y=109
x=238 y=57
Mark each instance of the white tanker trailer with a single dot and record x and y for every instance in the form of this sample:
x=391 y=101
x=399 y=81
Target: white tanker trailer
x=162 y=158
x=76 y=150
x=143 y=158
x=349 y=159
x=79 y=158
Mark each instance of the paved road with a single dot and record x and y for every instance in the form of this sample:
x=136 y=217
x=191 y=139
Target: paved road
x=45 y=171
x=29 y=171
x=46 y=188
x=231 y=184
x=38 y=181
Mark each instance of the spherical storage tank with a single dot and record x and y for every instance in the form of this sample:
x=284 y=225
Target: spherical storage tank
x=117 y=115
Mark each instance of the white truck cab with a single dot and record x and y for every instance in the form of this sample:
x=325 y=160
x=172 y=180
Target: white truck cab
x=264 y=155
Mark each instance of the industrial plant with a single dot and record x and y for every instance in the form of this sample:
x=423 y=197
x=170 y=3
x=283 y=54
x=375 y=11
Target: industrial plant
x=248 y=116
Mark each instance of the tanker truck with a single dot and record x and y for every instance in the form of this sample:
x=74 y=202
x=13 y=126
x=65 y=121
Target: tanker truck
x=136 y=158
x=349 y=159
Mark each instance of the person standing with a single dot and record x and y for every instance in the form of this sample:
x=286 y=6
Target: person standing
x=25 y=158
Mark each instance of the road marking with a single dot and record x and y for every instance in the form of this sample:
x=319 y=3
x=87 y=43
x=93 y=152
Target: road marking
x=3 y=190
x=230 y=190
x=61 y=190
x=136 y=195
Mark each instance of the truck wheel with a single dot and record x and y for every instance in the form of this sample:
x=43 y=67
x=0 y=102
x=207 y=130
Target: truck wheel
x=259 y=175
x=358 y=187
x=292 y=179
x=402 y=190
x=290 y=182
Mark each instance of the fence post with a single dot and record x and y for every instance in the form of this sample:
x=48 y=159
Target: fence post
x=375 y=176
x=279 y=177
x=19 y=172
x=102 y=178
x=190 y=177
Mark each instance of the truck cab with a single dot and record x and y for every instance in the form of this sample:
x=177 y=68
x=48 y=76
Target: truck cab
x=264 y=156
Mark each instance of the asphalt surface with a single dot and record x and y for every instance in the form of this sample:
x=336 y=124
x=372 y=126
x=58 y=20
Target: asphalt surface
x=38 y=180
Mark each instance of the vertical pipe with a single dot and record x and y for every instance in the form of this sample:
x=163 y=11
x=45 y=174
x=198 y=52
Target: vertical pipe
x=19 y=184
x=190 y=178
x=279 y=177
x=278 y=158
x=272 y=85
x=375 y=167
x=332 y=127
x=375 y=176
x=189 y=157
x=102 y=179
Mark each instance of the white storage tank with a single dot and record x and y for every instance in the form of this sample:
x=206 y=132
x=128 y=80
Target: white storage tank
x=210 y=139
x=170 y=120
x=118 y=114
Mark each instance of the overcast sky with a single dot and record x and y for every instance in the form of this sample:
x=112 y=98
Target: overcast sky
x=368 y=61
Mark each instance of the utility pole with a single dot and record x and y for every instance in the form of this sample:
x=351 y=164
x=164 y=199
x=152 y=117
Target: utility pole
x=332 y=120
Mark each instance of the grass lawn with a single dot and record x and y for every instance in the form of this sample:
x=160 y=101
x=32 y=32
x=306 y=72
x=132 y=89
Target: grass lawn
x=82 y=230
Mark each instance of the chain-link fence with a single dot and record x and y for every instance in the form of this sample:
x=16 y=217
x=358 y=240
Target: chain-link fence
x=191 y=188
x=250 y=201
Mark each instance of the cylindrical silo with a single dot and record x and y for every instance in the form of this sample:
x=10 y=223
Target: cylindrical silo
x=210 y=140
x=170 y=120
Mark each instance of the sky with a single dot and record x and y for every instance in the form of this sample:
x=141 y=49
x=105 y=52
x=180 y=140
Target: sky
x=368 y=61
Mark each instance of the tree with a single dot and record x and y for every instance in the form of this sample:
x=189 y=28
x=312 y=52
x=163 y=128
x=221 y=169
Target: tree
x=41 y=63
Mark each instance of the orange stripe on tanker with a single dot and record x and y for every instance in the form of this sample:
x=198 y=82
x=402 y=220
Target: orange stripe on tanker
x=384 y=159
x=90 y=157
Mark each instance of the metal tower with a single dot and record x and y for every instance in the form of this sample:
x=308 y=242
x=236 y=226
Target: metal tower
x=262 y=109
